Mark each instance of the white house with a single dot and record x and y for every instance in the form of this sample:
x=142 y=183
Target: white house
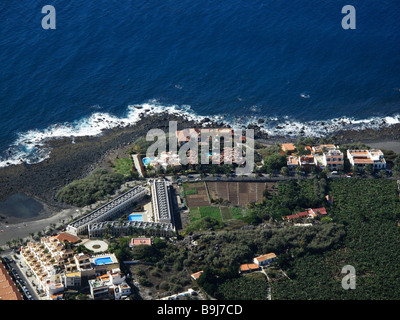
x=265 y=259
x=333 y=159
x=360 y=158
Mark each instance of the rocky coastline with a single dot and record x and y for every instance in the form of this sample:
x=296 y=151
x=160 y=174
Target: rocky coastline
x=69 y=161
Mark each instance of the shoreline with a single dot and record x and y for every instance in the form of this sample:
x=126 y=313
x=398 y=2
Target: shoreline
x=70 y=161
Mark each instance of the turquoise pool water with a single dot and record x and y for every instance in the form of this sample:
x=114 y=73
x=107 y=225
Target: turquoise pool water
x=104 y=260
x=135 y=217
x=146 y=161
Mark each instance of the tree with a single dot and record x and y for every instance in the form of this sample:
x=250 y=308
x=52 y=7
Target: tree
x=368 y=169
x=275 y=162
x=285 y=171
x=326 y=170
x=298 y=172
x=82 y=296
x=396 y=166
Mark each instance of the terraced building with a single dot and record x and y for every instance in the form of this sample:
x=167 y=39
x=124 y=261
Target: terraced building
x=107 y=211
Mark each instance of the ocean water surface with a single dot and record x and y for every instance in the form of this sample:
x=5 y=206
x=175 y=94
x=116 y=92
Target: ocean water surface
x=289 y=63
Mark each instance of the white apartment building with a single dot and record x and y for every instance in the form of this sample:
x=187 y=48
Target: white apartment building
x=292 y=163
x=57 y=268
x=360 y=158
x=108 y=210
x=161 y=201
x=44 y=260
x=323 y=147
x=333 y=159
x=111 y=284
x=164 y=160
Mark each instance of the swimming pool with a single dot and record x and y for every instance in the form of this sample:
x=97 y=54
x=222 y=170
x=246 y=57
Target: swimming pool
x=135 y=217
x=146 y=161
x=104 y=260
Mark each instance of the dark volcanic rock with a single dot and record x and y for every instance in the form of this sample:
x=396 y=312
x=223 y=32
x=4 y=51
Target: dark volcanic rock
x=69 y=161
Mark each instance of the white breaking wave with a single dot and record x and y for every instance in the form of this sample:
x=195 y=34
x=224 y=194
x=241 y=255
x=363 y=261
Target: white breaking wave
x=30 y=146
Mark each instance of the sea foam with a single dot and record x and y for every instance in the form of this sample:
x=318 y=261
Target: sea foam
x=30 y=147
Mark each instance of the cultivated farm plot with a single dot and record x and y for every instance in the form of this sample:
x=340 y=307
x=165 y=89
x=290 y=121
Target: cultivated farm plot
x=196 y=195
x=238 y=193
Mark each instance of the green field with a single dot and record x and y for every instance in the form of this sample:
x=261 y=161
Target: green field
x=195 y=213
x=201 y=212
x=123 y=166
x=219 y=213
x=226 y=213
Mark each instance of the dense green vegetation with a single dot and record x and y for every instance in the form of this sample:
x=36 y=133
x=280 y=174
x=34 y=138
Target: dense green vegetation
x=97 y=186
x=222 y=253
x=123 y=166
x=143 y=253
x=369 y=210
x=204 y=224
x=361 y=230
x=244 y=288
x=293 y=196
x=141 y=145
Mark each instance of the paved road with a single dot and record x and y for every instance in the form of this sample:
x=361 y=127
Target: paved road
x=263 y=178
x=23 y=280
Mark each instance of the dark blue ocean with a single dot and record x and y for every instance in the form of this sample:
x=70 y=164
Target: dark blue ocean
x=283 y=61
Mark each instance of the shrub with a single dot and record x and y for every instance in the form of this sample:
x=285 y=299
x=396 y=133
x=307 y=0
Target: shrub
x=91 y=189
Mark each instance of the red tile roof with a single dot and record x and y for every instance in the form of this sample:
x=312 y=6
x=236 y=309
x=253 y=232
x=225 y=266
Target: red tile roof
x=288 y=147
x=313 y=212
x=67 y=237
x=8 y=289
x=139 y=241
x=249 y=267
x=196 y=275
